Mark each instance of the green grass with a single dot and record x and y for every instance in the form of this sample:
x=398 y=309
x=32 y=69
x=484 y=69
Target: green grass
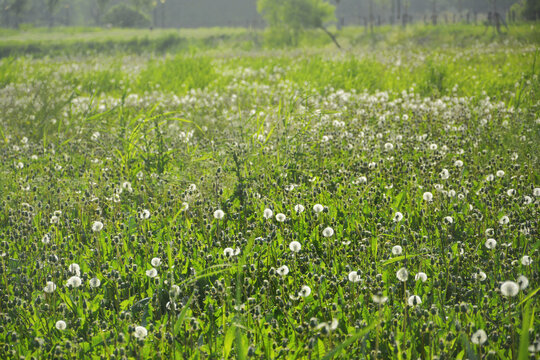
x=151 y=143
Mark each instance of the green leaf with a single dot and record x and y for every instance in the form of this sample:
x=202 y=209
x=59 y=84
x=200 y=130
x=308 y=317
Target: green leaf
x=229 y=338
x=124 y=304
x=181 y=317
x=335 y=352
x=529 y=296
x=398 y=258
x=523 y=353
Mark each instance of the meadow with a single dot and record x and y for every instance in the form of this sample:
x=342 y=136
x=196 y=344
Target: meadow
x=203 y=195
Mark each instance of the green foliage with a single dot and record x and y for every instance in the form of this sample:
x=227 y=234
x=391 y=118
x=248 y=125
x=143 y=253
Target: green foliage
x=531 y=10
x=150 y=146
x=123 y=15
x=178 y=74
x=294 y=16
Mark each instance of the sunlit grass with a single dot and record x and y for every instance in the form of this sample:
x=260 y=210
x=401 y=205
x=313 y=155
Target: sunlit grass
x=300 y=203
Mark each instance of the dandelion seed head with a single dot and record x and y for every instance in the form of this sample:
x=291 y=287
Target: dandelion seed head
x=491 y=243
x=268 y=213
x=305 y=291
x=354 y=277
x=414 y=300
x=152 y=273
x=445 y=174
x=219 y=214
x=402 y=274
x=328 y=232
x=140 y=332
x=75 y=269
x=74 y=282
x=421 y=276
x=283 y=270
x=94 y=282
x=526 y=260
x=509 y=288
x=379 y=299
x=145 y=214
x=295 y=246
x=523 y=282
x=49 y=287
x=397 y=250
x=97 y=226
x=479 y=337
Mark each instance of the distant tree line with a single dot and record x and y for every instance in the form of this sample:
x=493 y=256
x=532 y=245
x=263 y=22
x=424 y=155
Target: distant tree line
x=205 y=13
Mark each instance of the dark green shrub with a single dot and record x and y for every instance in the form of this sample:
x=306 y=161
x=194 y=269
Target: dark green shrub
x=123 y=15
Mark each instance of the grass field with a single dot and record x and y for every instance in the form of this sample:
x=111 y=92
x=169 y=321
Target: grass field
x=209 y=197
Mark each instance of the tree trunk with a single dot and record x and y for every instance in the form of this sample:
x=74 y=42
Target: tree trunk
x=393 y=12
x=398 y=9
x=332 y=36
x=371 y=16
x=434 y=16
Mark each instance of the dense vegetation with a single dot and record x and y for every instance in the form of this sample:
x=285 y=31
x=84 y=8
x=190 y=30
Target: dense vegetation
x=379 y=202
x=189 y=13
